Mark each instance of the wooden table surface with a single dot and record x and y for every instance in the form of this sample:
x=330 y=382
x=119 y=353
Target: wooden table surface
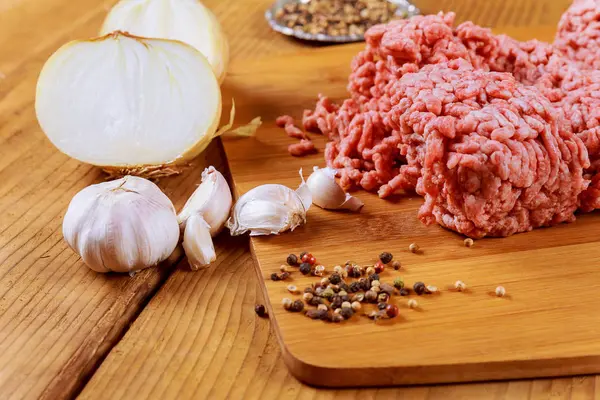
x=168 y=332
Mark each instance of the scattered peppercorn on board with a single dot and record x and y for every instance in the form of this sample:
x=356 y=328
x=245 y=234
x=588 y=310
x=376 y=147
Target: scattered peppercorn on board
x=544 y=325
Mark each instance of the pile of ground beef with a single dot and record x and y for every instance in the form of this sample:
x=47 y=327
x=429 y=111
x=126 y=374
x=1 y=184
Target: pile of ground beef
x=493 y=132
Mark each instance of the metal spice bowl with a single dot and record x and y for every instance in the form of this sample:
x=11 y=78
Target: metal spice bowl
x=405 y=9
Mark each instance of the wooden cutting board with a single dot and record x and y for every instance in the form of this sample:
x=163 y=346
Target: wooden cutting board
x=548 y=325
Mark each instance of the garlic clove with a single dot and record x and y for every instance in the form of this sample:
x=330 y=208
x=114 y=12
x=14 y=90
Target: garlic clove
x=328 y=194
x=124 y=225
x=305 y=194
x=270 y=209
x=197 y=242
x=212 y=199
x=352 y=203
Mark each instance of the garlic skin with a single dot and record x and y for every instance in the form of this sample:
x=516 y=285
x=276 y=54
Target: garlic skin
x=123 y=225
x=197 y=242
x=188 y=21
x=270 y=209
x=328 y=194
x=212 y=199
x=124 y=102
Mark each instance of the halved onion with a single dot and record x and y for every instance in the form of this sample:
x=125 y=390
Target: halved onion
x=128 y=103
x=186 y=20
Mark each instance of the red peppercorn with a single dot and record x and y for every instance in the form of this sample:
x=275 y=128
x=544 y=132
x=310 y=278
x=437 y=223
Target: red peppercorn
x=379 y=267
x=312 y=260
x=392 y=310
x=305 y=257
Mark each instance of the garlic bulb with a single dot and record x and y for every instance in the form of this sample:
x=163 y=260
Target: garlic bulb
x=124 y=225
x=127 y=103
x=327 y=194
x=197 y=242
x=185 y=20
x=212 y=199
x=270 y=209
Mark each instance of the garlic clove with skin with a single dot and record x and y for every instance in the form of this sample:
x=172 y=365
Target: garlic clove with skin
x=328 y=194
x=197 y=242
x=212 y=199
x=269 y=210
x=124 y=225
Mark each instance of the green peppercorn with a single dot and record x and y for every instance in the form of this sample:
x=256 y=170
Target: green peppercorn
x=305 y=268
x=260 y=310
x=419 y=288
x=386 y=257
x=335 y=278
x=347 y=312
x=292 y=260
x=274 y=276
x=399 y=283
x=328 y=293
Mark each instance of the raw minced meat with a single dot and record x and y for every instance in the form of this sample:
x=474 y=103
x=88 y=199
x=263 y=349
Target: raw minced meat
x=578 y=35
x=377 y=145
x=495 y=160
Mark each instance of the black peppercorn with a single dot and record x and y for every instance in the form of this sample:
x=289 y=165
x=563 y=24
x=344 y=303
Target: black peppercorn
x=419 y=288
x=386 y=257
x=396 y=265
x=335 y=279
x=381 y=306
x=365 y=284
x=305 y=268
x=309 y=290
x=345 y=298
x=297 y=306
x=284 y=275
x=374 y=277
x=371 y=296
x=336 y=301
x=344 y=286
x=316 y=314
x=336 y=317
x=404 y=292
x=315 y=301
x=274 y=276
x=260 y=310
x=292 y=260
x=387 y=288
x=354 y=287
x=347 y=312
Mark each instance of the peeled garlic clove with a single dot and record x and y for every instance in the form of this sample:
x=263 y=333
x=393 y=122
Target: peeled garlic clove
x=328 y=194
x=197 y=242
x=270 y=209
x=188 y=21
x=212 y=199
x=128 y=103
x=124 y=225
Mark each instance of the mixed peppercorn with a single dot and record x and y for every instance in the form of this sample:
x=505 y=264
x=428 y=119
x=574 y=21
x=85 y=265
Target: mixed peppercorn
x=336 y=17
x=342 y=293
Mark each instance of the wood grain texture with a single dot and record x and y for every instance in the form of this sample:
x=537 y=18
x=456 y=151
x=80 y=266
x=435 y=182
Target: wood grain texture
x=57 y=321
x=249 y=365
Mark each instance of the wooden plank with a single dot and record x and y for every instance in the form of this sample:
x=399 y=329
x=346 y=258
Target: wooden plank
x=544 y=330
x=251 y=365
x=58 y=320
